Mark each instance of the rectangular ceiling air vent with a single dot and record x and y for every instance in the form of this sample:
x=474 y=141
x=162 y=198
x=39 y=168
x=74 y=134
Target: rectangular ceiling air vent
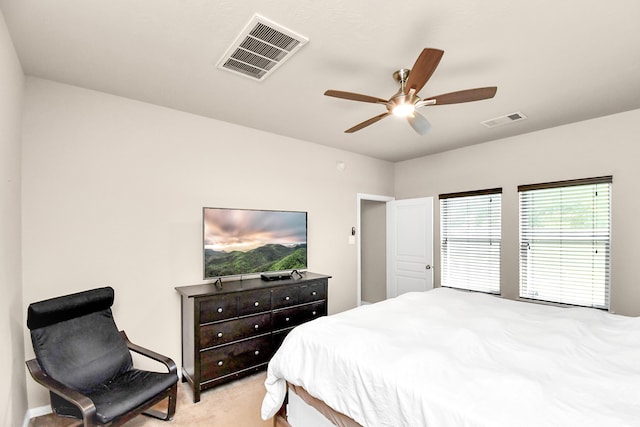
x=261 y=48
x=503 y=120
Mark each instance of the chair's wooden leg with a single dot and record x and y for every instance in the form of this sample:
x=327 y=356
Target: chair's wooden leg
x=173 y=397
x=171 y=406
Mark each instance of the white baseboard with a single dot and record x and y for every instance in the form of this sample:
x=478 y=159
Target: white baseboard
x=35 y=412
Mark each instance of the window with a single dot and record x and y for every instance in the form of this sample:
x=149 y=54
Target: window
x=565 y=241
x=470 y=236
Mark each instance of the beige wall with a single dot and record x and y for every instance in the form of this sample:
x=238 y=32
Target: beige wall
x=604 y=146
x=114 y=190
x=13 y=402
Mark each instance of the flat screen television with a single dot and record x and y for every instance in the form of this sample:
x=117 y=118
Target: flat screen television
x=239 y=242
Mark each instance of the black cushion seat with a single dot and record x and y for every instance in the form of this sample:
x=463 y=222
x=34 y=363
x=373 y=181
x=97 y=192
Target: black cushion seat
x=128 y=391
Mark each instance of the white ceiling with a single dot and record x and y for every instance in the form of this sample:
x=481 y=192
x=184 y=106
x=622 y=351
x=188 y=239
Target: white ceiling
x=557 y=62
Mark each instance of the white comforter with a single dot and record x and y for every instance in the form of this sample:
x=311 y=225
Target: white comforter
x=447 y=358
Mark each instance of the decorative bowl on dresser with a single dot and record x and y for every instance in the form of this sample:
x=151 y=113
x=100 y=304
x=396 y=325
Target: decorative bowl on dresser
x=232 y=331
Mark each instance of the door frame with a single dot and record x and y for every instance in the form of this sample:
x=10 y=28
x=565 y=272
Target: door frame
x=360 y=197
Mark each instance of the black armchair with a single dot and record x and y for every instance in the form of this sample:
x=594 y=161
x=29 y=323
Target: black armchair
x=86 y=363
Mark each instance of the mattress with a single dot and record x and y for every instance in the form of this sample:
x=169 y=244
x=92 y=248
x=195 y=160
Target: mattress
x=446 y=358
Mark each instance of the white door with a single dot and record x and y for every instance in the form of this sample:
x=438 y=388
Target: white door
x=409 y=245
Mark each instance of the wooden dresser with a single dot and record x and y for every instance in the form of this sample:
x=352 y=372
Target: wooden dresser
x=231 y=332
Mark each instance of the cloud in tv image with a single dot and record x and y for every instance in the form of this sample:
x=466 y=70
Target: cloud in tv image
x=239 y=241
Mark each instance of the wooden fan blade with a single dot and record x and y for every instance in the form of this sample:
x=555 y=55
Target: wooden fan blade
x=366 y=123
x=419 y=123
x=422 y=70
x=355 y=96
x=464 y=95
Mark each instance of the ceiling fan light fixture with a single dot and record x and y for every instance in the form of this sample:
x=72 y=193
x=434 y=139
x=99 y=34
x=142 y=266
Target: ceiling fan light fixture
x=403 y=105
x=403 y=110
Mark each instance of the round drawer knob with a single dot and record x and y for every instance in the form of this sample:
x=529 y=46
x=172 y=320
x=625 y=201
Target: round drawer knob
x=287 y=298
x=256 y=327
x=219 y=334
x=220 y=363
x=286 y=319
x=255 y=304
x=313 y=313
x=219 y=309
x=314 y=293
x=257 y=352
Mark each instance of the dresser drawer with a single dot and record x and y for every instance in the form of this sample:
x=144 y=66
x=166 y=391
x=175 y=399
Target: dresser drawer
x=226 y=359
x=254 y=302
x=315 y=291
x=279 y=336
x=290 y=317
x=285 y=297
x=231 y=330
x=218 y=308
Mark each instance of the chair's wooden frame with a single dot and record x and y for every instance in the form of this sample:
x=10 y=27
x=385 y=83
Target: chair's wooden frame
x=88 y=409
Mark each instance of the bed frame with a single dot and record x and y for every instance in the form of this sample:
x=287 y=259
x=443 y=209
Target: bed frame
x=335 y=417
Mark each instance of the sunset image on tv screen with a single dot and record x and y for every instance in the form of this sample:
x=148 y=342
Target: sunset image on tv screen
x=241 y=241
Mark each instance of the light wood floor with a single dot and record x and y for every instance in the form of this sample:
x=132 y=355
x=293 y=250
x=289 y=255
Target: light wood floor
x=232 y=405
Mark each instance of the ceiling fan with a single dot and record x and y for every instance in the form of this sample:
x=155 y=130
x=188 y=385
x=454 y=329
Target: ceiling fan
x=405 y=102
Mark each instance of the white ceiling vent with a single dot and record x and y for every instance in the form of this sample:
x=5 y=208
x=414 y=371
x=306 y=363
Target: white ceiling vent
x=503 y=120
x=261 y=48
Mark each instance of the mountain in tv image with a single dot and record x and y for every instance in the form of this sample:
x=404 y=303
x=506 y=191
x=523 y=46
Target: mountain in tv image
x=271 y=257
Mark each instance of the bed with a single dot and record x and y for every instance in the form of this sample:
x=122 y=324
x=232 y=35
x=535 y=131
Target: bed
x=447 y=358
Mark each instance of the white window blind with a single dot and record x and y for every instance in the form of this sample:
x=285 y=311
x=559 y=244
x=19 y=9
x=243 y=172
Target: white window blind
x=565 y=241
x=470 y=235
